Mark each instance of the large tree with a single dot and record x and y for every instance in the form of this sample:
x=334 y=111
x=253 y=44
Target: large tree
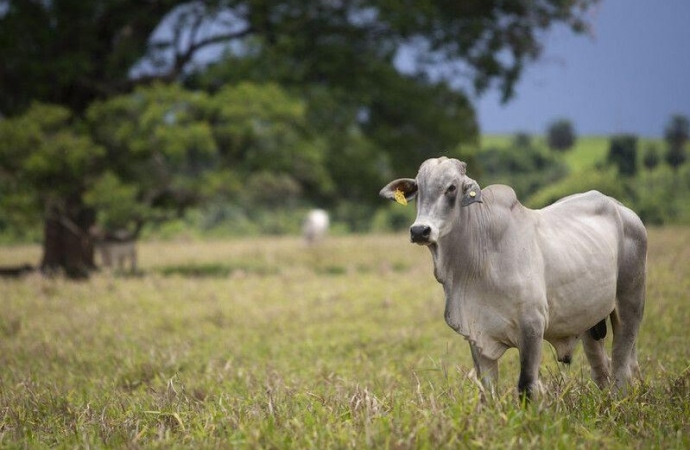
x=341 y=56
x=147 y=156
x=45 y=166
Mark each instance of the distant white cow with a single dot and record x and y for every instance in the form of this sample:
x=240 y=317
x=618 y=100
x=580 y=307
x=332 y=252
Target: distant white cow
x=315 y=226
x=513 y=276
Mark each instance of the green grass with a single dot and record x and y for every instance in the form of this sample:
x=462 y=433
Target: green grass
x=268 y=344
x=587 y=152
x=497 y=140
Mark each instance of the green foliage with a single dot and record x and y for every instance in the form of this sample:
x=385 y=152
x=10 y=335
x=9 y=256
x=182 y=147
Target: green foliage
x=623 y=154
x=523 y=166
x=115 y=201
x=70 y=53
x=657 y=195
x=677 y=131
x=249 y=143
x=305 y=106
x=676 y=134
x=651 y=158
x=560 y=135
x=43 y=156
x=271 y=190
x=393 y=218
x=604 y=181
x=675 y=156
x=261 y=343
x=661 y=195
x=262 y=128
x=162 y=121
x=160 y=152
x=587 y=153
x=412 y=121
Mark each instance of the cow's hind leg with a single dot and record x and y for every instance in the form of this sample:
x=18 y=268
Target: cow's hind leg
x=598 y=360
x=625 y=326
x=630 y=298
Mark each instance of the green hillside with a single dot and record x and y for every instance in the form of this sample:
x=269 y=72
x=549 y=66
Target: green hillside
x=541 y=176
x=585 y=154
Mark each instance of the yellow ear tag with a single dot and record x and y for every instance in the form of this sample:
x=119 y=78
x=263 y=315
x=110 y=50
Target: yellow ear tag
x=473 y=194
x=400 y=197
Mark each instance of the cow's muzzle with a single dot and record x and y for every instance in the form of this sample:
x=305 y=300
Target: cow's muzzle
x=420 y=234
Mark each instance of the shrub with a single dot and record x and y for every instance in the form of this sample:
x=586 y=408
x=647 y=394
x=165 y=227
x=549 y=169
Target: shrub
x=604 y=181
x=623 y=154
x=526 y=168
x=651 y=157
x=560 y=135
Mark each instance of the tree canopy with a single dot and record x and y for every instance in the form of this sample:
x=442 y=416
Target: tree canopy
x=71 y=52
x=119 y=112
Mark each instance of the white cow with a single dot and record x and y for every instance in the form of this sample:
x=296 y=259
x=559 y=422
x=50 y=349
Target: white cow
x=315 y=226
x=513 y=276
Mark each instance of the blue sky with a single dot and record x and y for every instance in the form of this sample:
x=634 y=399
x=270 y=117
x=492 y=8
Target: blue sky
x=629 y=77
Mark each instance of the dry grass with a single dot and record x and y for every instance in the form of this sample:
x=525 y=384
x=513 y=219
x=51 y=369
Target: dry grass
x=264 y=343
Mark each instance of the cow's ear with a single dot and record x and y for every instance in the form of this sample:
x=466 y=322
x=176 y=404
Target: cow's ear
x=401 y=190
x=471 y=193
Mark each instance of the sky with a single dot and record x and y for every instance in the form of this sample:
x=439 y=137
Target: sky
x=630 y=76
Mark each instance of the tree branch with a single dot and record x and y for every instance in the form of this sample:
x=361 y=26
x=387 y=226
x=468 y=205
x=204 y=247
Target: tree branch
x=182 y=59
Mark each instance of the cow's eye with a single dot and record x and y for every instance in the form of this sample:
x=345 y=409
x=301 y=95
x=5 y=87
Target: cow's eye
x=451 y=189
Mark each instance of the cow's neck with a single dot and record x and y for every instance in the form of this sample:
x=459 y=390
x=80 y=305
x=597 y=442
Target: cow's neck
x=461 y=255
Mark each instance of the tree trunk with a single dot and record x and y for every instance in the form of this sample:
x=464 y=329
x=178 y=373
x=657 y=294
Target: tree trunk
x=68 y=246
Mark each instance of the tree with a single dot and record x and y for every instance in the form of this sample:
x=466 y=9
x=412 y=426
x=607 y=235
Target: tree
x=46 y=167
x=160 y=155
x=78 y=54
x=560 y=135
x=147 y=156
x=350 y=49
x=623 y=154
x=93 y=46
x=676 y=135
x=650 y=159
x=172 y=148
x=69 y=52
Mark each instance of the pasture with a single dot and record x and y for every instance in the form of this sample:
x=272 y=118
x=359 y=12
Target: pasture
x=264 y=343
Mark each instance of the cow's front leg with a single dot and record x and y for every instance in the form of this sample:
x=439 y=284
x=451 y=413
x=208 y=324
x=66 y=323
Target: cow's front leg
x=531 y=336
x=487 y=371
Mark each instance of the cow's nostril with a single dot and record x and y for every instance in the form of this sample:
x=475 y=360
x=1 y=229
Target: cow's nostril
x=420 y=233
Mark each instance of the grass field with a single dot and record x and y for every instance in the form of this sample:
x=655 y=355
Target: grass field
x=263 y=343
